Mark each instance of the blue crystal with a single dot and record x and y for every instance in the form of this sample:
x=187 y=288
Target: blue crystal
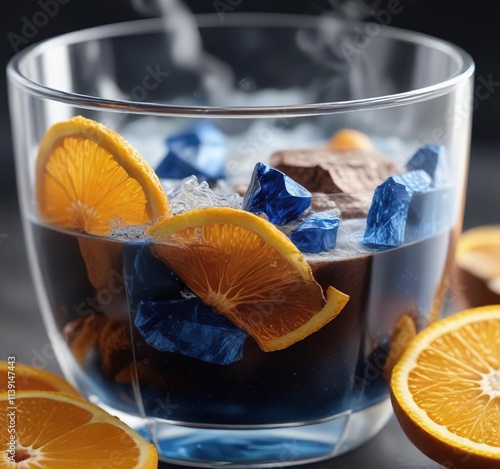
x=386 y=221
x=273 y=193
x=317 y=233
x=146 y=277
x=189 y=327
x=200 y=151
x=431 y=159
x=430 y=212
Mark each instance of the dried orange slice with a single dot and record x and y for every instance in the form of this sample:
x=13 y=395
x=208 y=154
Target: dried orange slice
x=247 y=270
x=90 y=179
x=445 y=389
x=478 y=265
x=349 y=139
x=24 y=377
x=56 y=431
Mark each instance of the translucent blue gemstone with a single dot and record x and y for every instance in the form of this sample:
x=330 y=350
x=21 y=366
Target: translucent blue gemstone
x=431 y=159
x=200 y=151
x=189 y=327
x=317 y=233
x=146 y=277
x=273 y=193
x=430 y=212
x=387 y=217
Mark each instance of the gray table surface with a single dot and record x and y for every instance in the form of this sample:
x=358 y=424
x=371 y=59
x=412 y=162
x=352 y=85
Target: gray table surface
x=22 y=332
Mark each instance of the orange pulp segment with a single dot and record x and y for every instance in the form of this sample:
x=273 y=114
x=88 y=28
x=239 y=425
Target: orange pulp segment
x=247 y=270
x=24 y=377
x=446 y=389
x=56 y=431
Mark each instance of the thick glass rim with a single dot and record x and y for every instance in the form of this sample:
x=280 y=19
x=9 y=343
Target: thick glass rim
x=464 y=70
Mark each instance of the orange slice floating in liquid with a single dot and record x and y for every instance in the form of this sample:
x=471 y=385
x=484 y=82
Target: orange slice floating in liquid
x=91 y=180
x=246 y=269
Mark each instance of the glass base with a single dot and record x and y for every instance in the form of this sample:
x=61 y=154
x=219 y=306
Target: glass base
x=262 y=447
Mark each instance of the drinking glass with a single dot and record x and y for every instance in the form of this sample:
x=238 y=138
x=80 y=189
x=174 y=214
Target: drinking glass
x=268 y=83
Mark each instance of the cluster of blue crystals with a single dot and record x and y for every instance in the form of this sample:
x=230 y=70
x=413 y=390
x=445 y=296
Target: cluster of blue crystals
x=317 y=232
x=386 y=222
x=190 y=327
x=276 y=195
x=170 y=322
x=431 y=159
x=200 y=151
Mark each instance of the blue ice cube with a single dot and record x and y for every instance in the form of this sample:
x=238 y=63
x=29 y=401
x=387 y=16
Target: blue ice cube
x=317 y=233
x=146 y=277
x=273 y=193
x=189 y=327
x=387 y=217
x=431 y=159
x=200 y=151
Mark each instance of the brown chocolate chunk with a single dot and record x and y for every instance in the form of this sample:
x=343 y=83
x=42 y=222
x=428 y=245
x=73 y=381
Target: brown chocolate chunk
x=332 y=171
x=354 y=172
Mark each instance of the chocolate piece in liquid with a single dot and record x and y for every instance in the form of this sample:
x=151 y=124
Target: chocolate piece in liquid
x=353 y=174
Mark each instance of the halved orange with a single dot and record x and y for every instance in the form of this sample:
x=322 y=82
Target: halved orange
x=350 y=139
x=478 y=265
x=445 y=389
x=23 y=377
x=90 y=179
x=247 y=270
x=57 y=431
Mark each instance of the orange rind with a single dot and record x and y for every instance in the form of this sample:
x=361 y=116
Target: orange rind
x=27 y=377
